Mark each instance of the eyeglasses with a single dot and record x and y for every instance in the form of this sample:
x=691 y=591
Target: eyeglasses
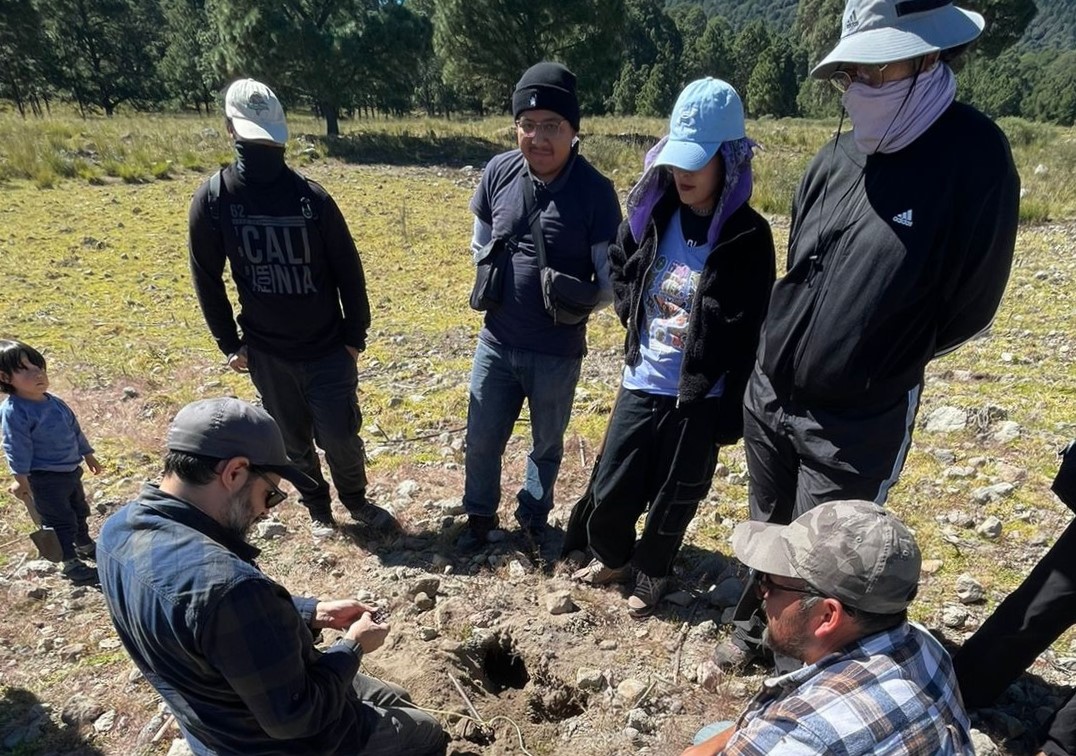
x=275 y=495
x=766 y=584
x=546 y=129
x=844 y=77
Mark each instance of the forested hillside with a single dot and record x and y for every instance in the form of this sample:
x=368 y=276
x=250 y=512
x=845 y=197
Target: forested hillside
x=1054 y=26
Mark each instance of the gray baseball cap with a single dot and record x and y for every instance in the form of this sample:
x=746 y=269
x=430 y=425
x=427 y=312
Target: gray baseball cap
x=853 y=551
x=229 y=427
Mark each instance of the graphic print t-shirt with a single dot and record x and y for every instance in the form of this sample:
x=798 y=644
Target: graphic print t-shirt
x=673 y=282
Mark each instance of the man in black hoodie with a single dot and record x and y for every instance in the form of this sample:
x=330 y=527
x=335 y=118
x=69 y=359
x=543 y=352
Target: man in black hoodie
x=302 y=293
x=900 y=247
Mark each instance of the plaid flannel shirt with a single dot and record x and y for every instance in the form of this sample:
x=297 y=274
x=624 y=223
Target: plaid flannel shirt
x=890 y=693
x=229 y=650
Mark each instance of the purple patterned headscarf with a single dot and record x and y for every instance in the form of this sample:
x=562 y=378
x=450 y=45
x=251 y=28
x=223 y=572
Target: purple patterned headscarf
x=644 y=196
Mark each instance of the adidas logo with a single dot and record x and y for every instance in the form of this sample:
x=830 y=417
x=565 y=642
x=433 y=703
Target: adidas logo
x=904 y=219
x=851 y=23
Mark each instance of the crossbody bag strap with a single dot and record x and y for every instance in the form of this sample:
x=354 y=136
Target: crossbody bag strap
x=534 y=218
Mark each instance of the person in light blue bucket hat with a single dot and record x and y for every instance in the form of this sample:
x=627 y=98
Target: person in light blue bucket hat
x=692 y=269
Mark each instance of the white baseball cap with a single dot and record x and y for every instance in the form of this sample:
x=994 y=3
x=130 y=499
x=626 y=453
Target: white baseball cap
x=255 y=112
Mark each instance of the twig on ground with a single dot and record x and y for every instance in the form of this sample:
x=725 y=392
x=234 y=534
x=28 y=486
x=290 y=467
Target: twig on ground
x=684 y=629
x=18 y=564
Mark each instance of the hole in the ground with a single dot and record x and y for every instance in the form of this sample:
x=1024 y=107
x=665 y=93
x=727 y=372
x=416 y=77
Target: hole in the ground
x=504 y=666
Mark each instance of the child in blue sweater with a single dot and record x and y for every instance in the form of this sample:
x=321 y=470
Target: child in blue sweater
x=45 y=448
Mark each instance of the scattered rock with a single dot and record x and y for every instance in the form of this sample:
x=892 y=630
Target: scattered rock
x=944 y=456
x=428 y=633
x=954 y=615
x=708 y=675
x=630 y=690
x=38 y=593
x=930 y=566
x=560 y=603
x=72 y=652
x=990 y=494
x=450 y=507
x=35 y=568
x=423 y=602
x=961 y=519
x=105 y=722
x=109 y=644
x=267 y=530
x=1007 y=431
x=982 y=744
x=428 y=585
x=590 y=679
x=990 y=527
x=640 y=720
x=608 y=645
x=946 y=420
x=1010 y=473
x=721 y=470
x=80 y=709
x=516 y=569
x=969 y=590
x=407 y=488
x=738 y=479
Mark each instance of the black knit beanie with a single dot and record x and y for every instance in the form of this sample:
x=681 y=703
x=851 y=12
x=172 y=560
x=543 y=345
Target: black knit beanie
x=547 y=86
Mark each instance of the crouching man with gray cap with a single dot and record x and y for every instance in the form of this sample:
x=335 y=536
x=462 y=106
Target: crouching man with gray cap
x=836 y=585
x=230 y=650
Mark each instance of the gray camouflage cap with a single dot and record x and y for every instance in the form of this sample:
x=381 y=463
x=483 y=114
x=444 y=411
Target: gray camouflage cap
x=853 y=551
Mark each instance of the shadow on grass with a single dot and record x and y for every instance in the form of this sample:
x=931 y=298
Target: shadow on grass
x=1017 y=722
x=403 y=150
x=27 y=729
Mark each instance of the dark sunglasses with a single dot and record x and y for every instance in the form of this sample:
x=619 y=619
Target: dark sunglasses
x=765 y=584
x=275 y=495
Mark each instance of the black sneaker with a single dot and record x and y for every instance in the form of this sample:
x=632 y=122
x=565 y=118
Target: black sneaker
x=322 y=524
x=86 y=550
x=476 y=533
x=79 y=573
x=375 y=518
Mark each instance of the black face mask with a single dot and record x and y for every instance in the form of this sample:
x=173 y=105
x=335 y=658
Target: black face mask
x=258 y=163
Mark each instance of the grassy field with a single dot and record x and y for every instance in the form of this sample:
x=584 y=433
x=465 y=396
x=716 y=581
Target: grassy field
x=93 y=256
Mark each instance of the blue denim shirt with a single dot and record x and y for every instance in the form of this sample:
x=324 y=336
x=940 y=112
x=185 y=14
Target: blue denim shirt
x=229 y=650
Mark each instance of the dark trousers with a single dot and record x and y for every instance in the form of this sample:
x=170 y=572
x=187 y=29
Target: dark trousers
x=397 y=727
x=61 y=501
x=1023 y=626
x=315 y=401
x=799 y=457
x=655 y=455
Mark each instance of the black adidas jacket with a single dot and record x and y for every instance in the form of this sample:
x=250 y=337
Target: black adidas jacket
x=893 y=259
x=733 y=291
x=301 y=286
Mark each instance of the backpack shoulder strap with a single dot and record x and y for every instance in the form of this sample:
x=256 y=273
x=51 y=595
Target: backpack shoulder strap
x=213 y=197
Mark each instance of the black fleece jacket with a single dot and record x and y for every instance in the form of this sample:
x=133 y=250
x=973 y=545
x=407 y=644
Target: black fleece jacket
x=733 y=294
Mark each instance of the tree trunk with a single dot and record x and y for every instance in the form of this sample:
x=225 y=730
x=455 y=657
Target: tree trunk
x=332 y=124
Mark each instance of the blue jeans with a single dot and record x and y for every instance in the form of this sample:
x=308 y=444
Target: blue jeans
x=501 y=379
x=315 y=400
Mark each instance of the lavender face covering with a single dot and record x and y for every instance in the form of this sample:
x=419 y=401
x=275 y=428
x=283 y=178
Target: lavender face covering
x=881 y=124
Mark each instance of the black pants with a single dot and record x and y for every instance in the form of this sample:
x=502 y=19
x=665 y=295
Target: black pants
x=61 y=501
x=315 y=400
x=1023 y=626
x=655 y=455
x=799 y=457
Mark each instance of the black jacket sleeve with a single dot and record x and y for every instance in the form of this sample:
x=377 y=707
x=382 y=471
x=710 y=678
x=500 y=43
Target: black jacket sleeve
x=978 y=280
x=621 y=252
x=207 y=259
x=346 y=266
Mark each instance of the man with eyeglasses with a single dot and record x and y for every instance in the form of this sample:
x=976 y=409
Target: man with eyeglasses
x=522 y=353
x=230 y=650
x=900 y=247
x=836 y=585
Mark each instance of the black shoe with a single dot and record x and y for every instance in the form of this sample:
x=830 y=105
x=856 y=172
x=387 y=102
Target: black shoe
x=86 y=550
x=375 y=518
x=322 y=524
x=476 y=533
x=79 y=573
